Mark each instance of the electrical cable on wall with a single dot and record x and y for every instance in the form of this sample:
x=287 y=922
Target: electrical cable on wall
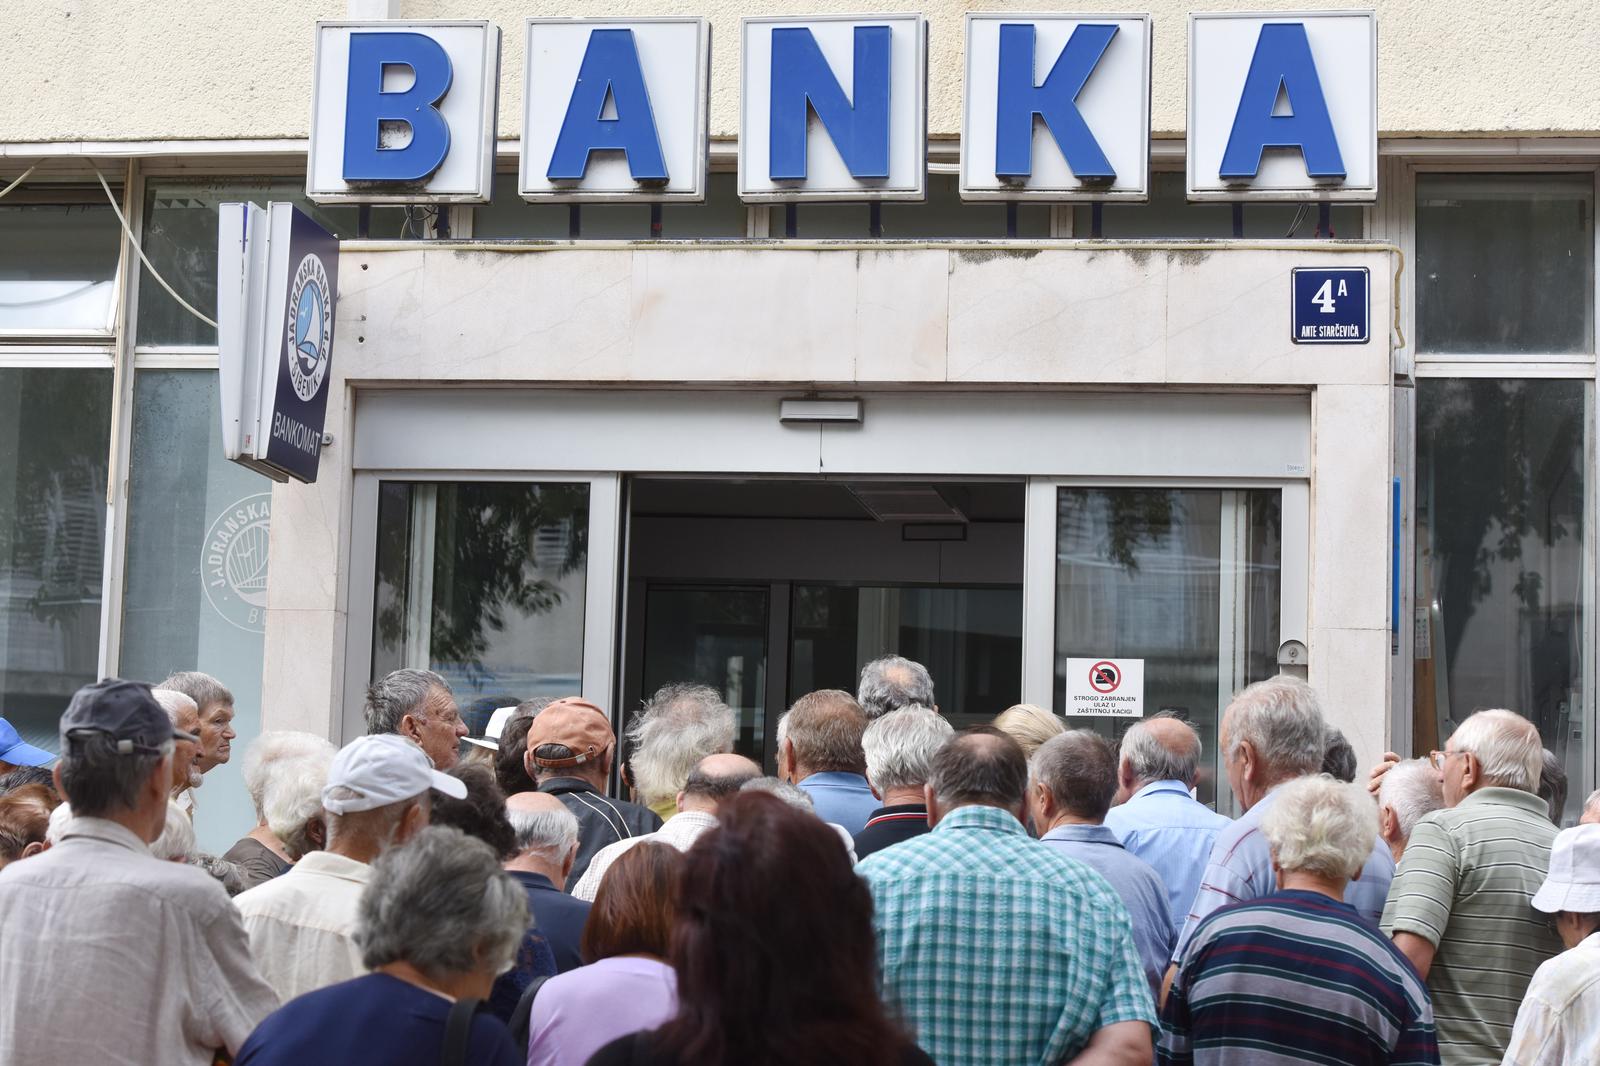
x=19 y=181
x=185 y=304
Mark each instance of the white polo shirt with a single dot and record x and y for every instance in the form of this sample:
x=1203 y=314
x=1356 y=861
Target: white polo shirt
x=301 y=925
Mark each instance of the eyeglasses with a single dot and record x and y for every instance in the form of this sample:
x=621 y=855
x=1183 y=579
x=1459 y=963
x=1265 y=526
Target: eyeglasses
x=1436 y=758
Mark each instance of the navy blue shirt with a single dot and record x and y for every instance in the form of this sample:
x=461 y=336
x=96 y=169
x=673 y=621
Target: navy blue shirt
x=376 y=1020
x=559 y=916
x=888 y=826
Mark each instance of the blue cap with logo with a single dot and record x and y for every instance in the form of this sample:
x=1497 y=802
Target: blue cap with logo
x=126 y=712
x=18 y=752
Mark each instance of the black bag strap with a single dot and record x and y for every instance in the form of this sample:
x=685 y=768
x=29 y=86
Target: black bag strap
x=458 y=1031
x=520 y=1028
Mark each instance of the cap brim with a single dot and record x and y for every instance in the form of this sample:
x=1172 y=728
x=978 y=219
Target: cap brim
x=25 y=754
x=453 y=787
x=483 y=742
x=178 y=734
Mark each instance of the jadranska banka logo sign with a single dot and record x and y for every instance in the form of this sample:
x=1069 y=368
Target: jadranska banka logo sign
x=1056 y=107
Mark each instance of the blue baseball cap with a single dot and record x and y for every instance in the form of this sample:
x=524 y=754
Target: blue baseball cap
x=18 y=753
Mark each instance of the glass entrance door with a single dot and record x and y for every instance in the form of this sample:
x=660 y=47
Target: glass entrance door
x=1186 y=582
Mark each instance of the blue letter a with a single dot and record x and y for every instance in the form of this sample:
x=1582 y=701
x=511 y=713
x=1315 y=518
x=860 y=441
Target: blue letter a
x=367 y=107
x=803 y=81
x=610 y=68
x=1282 y=62
x=1018 y=99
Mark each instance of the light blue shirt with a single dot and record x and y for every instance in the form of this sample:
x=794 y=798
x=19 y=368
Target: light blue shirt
x=1134 y=881
x=845 y=799
x=1173 y=832
x=1241 y=869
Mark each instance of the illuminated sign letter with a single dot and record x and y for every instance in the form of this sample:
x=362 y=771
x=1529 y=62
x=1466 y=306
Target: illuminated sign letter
x=1282 y=65
x=610 y=73
x=369 y=107
x=1054 y=100
x=802 y=81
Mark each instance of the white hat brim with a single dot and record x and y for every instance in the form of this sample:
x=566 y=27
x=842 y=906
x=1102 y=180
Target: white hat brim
x=1555 y=896
x=453 y=787
x=483 y=742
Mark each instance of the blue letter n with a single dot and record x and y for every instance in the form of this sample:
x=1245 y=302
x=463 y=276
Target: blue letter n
x=802 y=81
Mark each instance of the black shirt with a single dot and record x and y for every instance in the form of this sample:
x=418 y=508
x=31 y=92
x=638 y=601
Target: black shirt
x=637 y=1049
x=601 y=820
x=889 y=826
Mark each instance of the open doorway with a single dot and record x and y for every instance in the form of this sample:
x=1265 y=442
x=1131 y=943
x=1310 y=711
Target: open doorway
x=766 y=589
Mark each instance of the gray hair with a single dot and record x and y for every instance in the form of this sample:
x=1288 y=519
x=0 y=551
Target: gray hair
x=890 y=683
x=270 y=751
x=99 y=781
x=176 y=704
x=442 y=903
x=676 y=728
x=1282 y=719
x=292 y=795
x=1322 y=826
x=1150 y=760
x=797 y=798
x=397 y=694
x=900 y=746
x=176 y=842
x=980 y=766
x=202 y=688
x=824 y=728
x=1338 y=757
x=1507 y=746
x=550 y=833
x=1079 y=770
x=1411 y=789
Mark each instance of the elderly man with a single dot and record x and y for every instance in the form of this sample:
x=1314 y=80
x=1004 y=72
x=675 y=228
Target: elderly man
x=889 y=683
x=184 y=714
x=108 y=955
x=1296 y=975
x=820 y=750
x=1559 y=1021
x=1460 y=908
x=899 y=748
x=294 y=767
x=547 y=844
x=1159 y=821
x=713 y=779
x=1272 y=732
x=1072 y=779
x=302 y=925
x=570 y=746
x=676 y=728
x=1409 y=791
x=993 y=948
x=417 y=704
x=214 y=707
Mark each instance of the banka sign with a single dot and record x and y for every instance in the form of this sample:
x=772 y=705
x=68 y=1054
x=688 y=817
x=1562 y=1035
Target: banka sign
x=834 y=107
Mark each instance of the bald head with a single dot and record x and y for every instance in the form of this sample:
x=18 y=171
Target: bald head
x=1159 y=749
x=979 y=767
x=547 y=835
x=715 y=778
x=533 y=803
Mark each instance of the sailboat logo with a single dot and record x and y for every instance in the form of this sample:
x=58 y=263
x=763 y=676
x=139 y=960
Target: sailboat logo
x=310 y=328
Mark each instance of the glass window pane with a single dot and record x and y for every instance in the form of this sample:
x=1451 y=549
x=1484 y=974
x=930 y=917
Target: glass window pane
x=195 y=581
x=58 y=266
x=484 y=583
x=969 y=638
x=1170 y=216
x=180 y=237
x=1500 y=573
x=715 y=636
x=1505 y=263
x=1142 y=574
x=55 y=431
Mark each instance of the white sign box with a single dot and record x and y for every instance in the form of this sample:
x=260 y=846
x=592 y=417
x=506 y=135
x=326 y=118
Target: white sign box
x=834 y=107
x=1046 y=90
x=1105 y=688
x=403 y=112
x=1283 y=106
x=615 y=109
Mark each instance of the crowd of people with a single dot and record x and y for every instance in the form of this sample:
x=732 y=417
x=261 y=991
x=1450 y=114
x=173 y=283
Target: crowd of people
x=900 y=892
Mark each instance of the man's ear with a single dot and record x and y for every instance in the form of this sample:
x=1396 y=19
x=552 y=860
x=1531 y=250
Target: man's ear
x=567 y=863
x=931 y=801
x=317 y=833
x=35 y=848
x=407 y=727
x=786 y=760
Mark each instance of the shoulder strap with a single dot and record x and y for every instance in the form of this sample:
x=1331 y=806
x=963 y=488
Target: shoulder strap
x=458 y=1032
x=520 y=1027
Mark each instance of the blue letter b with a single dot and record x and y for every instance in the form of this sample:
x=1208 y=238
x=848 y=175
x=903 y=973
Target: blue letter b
x=367 y=107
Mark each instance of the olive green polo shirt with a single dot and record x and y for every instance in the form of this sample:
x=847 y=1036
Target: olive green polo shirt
x=1465 y=884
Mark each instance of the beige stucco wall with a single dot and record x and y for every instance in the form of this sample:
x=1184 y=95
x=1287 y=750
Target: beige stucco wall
x=137 y=69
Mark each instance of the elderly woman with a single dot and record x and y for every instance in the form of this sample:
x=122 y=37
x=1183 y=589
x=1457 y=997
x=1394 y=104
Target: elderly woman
x=1029 y=726
x=1253 y=971
x=438 y=921
x=284 y=772
x=1559 y=1020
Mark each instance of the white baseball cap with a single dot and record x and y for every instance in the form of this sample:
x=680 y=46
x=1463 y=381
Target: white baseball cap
x=383 y=769
x=1573 y=883
x=492 y=731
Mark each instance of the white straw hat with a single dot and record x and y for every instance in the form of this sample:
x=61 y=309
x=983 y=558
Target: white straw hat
x=492 y=731
x=1573 y=883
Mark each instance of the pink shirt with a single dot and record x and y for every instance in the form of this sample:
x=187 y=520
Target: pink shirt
x=579 y=1012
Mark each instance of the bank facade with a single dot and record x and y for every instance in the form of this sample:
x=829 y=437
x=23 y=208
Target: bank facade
x=595 y=445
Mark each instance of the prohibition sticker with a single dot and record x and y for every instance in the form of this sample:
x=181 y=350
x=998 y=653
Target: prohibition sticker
x=1105 y=688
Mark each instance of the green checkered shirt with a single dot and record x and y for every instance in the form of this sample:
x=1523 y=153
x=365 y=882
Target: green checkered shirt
x=996 y=949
